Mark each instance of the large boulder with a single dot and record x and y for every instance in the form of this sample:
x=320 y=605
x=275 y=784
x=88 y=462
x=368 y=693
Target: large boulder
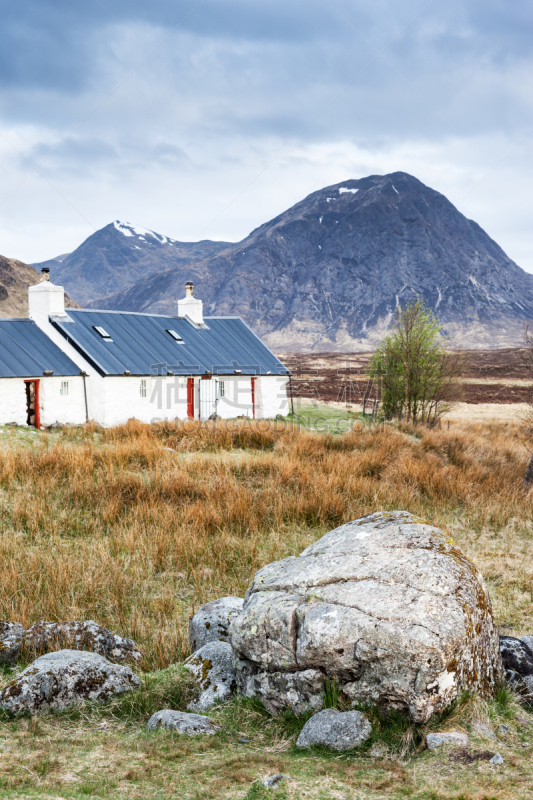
x=386 y=606
x=44 y=637
x=212 y=666
x=335 y=729
x=66 y=678
x=212 y=621
x=11 y=638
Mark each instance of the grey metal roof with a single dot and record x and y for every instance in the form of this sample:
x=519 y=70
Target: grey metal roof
x=27 y=352
x=141 y=344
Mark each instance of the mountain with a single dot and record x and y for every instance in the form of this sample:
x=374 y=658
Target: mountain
x=15 y=277
x=328 y=273
x=117 y=256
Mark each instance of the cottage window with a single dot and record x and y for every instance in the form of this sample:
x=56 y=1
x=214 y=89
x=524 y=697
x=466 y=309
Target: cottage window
x=143 y=388
x=63 y=390
x=222 y=388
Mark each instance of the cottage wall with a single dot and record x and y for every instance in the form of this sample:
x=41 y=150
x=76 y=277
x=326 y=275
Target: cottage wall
x=271 y=396
x=54 y=407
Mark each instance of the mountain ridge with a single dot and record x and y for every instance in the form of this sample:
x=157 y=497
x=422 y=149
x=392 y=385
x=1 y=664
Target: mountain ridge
x=327 y=273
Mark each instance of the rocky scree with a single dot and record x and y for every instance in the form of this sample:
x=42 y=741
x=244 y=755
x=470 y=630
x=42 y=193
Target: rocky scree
x=212 y=621
x=11 y=638
x=44 y=637
x=386 y=606
x=517 y=657
x=334 y=729
x=212 y=666
x=181 y=722
x=66 y=678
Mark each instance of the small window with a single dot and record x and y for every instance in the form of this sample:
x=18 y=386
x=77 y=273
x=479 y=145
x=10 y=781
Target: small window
x=143 y=388
x=103 y=333
x=175 y=335
x=222 y=388
x=64 y=388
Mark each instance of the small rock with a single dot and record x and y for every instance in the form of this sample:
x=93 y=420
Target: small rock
x=66 y=678
x=273 y=781
x=181 y=722
x=378 y=750
x=45 y=637
x=525 y=744
x=211 y=622
x=212 y=666
x=11 y=638
x=434 y=740
x=516 y=656
x=243 y=741
x=496 y=759
x=335 y=729
x=523 y=721
x=504 y=729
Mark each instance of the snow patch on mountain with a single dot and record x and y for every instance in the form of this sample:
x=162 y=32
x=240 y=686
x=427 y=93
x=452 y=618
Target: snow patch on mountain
x=127 y=229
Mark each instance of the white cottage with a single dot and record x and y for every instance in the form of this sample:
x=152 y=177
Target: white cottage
x=114 y=366
x=39 y=384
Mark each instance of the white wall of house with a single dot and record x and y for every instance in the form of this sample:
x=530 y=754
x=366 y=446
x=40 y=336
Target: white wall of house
x=271 y=396
x=60 y=400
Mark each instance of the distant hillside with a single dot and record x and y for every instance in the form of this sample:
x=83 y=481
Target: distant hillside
x=117 y=256
x=15 y=277
x=328 y=273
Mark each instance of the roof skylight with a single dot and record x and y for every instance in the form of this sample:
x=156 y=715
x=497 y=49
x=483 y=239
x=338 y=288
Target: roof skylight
x=175 y=335
x=103 y=333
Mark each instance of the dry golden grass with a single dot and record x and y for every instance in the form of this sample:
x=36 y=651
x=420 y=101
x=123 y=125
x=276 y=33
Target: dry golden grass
x=117 y=527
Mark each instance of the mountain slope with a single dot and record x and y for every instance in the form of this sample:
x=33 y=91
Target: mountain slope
x=117 y=256
x=328 y=273
x=15 y=277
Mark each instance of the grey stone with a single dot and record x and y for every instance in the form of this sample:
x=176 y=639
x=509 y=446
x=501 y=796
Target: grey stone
x=482 y=729
x=11 y=638
x=434 y=740
x=516 y=656
x=44 y=637
x=273 y=781
x=300 y=691
x=212 y=666
x=181 y=722
x=387 y=606
x=528 y=641
x=66 y=678
x=335 y=729
x=212 y=621
x=496 y=759
x=504 y=729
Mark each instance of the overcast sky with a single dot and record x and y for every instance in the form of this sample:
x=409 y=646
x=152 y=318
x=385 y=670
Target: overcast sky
x=205 y=118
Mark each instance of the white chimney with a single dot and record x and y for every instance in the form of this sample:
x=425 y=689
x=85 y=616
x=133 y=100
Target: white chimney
x=190 y=306
x=45 y=300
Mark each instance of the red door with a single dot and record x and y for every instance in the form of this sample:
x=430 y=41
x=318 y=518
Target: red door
x=253 y=397
x=33 y=412
x=190 y=398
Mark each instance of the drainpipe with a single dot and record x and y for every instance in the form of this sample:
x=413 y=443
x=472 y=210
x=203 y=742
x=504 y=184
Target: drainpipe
x=84 y=375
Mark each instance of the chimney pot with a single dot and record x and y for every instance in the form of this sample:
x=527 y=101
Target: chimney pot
x=190 y=306
x=45 y=274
